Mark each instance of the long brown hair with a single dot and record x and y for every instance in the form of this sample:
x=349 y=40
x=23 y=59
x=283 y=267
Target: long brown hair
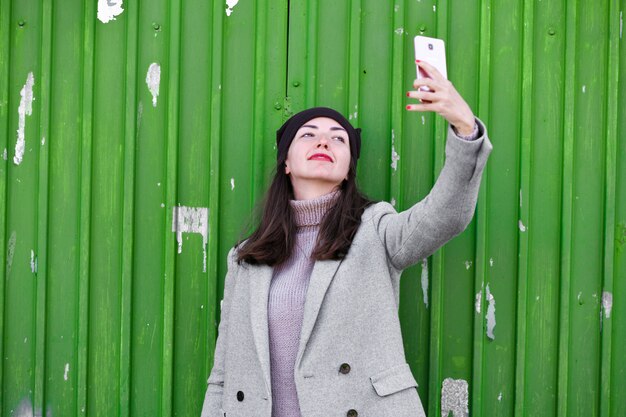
x=274 y=239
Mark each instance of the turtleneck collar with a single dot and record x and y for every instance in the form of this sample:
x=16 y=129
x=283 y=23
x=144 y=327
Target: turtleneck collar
x=310 y=212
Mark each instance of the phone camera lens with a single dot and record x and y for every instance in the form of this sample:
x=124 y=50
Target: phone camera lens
x=430 y=46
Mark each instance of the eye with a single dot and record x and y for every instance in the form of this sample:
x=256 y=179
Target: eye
x=307 y=134
x=340 y=138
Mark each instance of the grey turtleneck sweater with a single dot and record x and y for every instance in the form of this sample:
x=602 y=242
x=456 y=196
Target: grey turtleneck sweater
x=288 y=288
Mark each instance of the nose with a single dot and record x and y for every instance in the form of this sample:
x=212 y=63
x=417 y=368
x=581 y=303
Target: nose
x=323 y=140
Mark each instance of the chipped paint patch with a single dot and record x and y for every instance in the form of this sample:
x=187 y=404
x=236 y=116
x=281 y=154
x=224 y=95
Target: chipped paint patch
x=232 y=184
x=454 y=398
x=500 y=397
x=521 y=226
x=393 y=201
x=230 y=5
x=490 y=261
x=425 y=281
x=43 y=140
x=33 y=262
x=25 y=109
x=584 y=89
x=491 y=314
x=423 y=120
x=468 y=264
x=396 y=7
x=435 y=10
x=607 y=303
x=394 y=155
x=108 y=9
x=67 y=370
x=479 y=299
x=191 y=220
x=153 y=80
x=10 y=252
x=4 y=154
x=399 y=31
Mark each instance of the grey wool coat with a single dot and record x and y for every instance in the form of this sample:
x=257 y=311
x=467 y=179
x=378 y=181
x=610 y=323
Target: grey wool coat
x=351 y=358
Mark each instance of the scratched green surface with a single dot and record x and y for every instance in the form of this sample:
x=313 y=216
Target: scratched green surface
x=113 y=321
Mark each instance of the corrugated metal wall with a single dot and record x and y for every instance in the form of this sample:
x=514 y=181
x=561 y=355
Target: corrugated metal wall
x=110 y=130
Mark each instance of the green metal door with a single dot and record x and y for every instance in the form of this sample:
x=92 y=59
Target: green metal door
x=137 y=137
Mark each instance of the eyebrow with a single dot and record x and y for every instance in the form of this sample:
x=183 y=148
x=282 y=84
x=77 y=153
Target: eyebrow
x=332 y=128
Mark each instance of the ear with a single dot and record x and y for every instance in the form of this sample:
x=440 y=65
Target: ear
x=287 y=169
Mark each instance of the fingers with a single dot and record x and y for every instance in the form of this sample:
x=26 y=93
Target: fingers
x=428 y=82
x=421 y=107
x=422 y=95
x=430 y=70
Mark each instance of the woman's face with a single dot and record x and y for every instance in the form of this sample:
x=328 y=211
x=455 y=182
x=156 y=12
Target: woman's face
x=319 y=155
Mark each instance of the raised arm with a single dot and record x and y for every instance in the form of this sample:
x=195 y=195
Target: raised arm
x=415 y=233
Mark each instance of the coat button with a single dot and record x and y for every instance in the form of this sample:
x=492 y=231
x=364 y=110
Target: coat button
x=352 y=413
x=240 y=395
x=344 y=368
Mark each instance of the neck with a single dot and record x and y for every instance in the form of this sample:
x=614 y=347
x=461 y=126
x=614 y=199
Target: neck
x=310 y=191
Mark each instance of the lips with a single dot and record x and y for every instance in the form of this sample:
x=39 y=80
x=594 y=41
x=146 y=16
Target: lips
x=321 y=157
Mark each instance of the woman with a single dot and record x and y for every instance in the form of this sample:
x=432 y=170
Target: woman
x=309 y=324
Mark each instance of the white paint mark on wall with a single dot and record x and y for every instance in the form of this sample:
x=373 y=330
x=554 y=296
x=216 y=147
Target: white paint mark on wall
x=521 y=226
x=491 y=314
x=490 y=261
x=4 y=154
x=108 y=9
x=232 y=184
x=191 y=220
x=43 y=140
x=425 y=281
x=25 y=109
x=454 y=398
x=396 y=7
x=607 y=303
x=153 y=80
x=230 y=5
x=468 y=264
x=399 y=31
x=67 y=370
x=435 y=10
x=500 y=397
x=584 y=89
x=479 y=299
x=33 y=262
x=423 y=120
x=580 y=294
x=394 y=155
x=393 y=201
x=10 y=252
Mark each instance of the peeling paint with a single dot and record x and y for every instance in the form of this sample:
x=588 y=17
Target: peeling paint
x=500 y=397
x=108 y=9
x=423 y=120
x=43 y=140
x=232 y=184
x=33 y=262
x=584 y=89
x=425 y=281
x=67 y=370
x=491 y=314
x=394 y=155
x=434 y=10
x=490 y=261
x=230 y=5
x=468 y=264
x=399 y=31
x=153 y=80
x=10 y=252
x=607 y=303
x=521 y=226
x=454 y=398
x=4 y=154
x=25 y=109
x=479 y=299
x=191 y=220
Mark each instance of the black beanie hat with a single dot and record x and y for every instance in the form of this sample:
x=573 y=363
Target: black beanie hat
x=286 y=133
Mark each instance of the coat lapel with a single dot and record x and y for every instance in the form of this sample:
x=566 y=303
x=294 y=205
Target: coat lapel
x=323 y=273
x=260 y=277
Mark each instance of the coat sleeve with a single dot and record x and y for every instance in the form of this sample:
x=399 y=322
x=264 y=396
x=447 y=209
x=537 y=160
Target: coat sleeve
x=212 y=405
x=445 y=212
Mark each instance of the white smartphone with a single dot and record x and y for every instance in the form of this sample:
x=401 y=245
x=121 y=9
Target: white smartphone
x=433 y=51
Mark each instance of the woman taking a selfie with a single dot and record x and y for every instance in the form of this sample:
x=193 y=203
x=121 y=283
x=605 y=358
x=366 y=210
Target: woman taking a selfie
x=309 y=322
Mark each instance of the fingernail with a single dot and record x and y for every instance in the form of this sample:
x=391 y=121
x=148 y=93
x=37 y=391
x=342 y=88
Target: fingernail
x=407 y=94
x=408 y=107
x=417 y=60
